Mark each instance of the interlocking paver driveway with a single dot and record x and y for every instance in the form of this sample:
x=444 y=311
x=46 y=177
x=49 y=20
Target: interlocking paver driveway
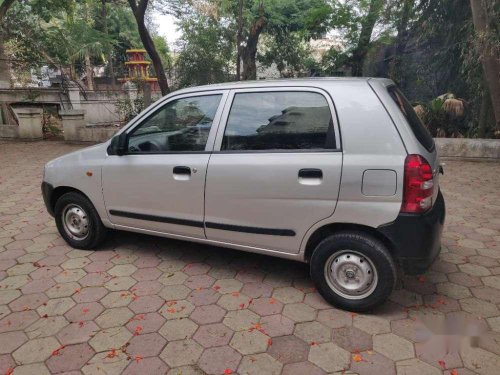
x=146 y=305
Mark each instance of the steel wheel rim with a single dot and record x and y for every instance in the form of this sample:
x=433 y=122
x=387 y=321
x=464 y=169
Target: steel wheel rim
x=351 y=275
x=75 y=222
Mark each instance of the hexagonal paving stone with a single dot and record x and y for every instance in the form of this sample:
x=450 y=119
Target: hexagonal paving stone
x=299 y=312
x=479 y=307
x=234 y=301
x=225 y=286
x=120 y=283
x=277 y=325
x=178 y=329
x=219 y=360
x=117 y=299
x=28 y=302
x=199 y=282
x=416 y=367
x=122 y=270
x=479 y=360
x=37 y=350
x=352 y=339
x=17 y=321
x=84 y=312
x=288 y=349
x=210 y=335
x=203 y=297
x=109 y=338
x=46 y=327
x=335 y=318
x=266 y=306
x=208 y=314
x=146 y=366
x=258 y=364
x=147 y=345
x=302 y=368
x=180 y=353
x=146 y=304
x=187 y=370
x=76 y=333
x=71 y=357
x=370 y=363
x=147 y=323
x=173 y=278
x=393 y=347
x=63 y=290
x=174 y=292
x=250 y=341
x=288 y=295
x=10 y=341
x=371 y=324
x=329 y=357
x=115 y=317
x=312 y=332
x=177 y=309
x=90 y=294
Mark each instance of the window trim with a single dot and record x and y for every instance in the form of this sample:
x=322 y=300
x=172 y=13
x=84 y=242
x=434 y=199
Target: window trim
x=148 y=113
x=229 y=104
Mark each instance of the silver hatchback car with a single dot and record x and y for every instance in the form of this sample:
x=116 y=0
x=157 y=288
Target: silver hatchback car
x=339 y=173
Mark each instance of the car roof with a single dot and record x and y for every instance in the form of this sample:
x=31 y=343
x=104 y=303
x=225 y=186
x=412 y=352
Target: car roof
x=314 y=81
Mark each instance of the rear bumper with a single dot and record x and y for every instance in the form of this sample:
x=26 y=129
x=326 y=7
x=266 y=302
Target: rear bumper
x=416 y=239
x=47 y=190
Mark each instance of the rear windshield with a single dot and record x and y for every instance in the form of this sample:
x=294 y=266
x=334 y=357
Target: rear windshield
x=418 y=128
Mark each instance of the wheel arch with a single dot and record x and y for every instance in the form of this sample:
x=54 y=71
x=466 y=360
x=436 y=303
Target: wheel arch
x=329 y=229
x=60 y=191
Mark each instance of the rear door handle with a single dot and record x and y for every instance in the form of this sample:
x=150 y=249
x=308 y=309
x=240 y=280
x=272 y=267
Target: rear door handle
x=182 y=170
x=311 y=173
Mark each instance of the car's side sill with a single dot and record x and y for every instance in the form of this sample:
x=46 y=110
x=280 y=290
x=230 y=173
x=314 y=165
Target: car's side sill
x=210 y=225
x=292 y=256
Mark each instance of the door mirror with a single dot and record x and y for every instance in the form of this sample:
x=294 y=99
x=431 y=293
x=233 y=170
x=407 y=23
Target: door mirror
x=119 y=144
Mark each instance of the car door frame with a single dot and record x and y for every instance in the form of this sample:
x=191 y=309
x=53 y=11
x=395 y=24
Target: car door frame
x=218 y=144
x=229 y=103
x=151 y=111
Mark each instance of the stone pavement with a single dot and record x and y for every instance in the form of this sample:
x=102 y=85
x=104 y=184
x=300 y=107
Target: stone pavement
x=146 y=305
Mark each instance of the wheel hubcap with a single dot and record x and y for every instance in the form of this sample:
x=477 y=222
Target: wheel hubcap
x=351 y=274
x=75 y=222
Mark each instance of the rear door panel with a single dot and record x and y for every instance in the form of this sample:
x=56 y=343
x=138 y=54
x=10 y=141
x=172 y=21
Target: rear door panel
x=257 y=198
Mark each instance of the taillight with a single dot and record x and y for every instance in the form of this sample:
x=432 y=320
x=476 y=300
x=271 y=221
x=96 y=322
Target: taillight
x=418 y=185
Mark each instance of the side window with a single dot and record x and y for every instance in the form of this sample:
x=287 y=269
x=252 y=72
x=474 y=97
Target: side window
x=416 y=125
x=280 y=120
x=180 y=125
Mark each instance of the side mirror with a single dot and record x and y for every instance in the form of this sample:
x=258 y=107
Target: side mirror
x=118 y=144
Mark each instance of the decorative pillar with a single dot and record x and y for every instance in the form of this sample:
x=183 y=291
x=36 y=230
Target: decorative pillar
x=72 y=121
x=30 y=123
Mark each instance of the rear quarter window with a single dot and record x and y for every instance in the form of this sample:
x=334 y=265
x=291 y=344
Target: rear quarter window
x=416 y=125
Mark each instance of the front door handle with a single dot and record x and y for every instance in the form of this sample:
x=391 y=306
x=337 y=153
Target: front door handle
x=182 y=170
x=311 y=173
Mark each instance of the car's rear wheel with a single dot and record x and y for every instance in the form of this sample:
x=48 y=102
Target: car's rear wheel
x=78 y=221
x=353 y=270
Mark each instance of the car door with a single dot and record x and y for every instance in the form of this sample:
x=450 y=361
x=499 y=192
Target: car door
x=158 y=185
x=275 y=170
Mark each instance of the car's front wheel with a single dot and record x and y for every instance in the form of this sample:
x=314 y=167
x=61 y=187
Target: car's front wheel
x=78 y=221
x=353 y=270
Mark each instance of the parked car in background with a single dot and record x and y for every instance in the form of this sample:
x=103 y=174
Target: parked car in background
x=338 y=173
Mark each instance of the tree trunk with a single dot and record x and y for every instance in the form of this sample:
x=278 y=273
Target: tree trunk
x=249 y=52
x=104 y=15
x=489 y=56
x=367 y=25
x=395 y=71
x=4 y=65
x=89 y=72
x=139 y=10
x=239 y=40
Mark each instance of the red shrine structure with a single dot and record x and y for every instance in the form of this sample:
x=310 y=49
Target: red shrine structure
x=138 y=68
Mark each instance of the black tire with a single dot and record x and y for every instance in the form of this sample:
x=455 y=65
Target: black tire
x=367 y=246
x=96 y=230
